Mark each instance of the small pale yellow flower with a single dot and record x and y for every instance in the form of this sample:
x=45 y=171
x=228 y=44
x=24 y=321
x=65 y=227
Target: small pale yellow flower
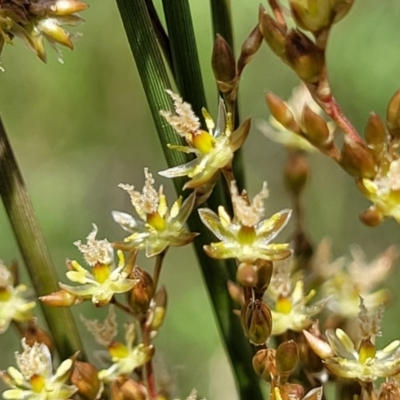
x=346 y=281
x=247 y=237
x=363 y=362
x=384 y=190
x=157 y=227
x=34 y=379
x=291 y=312
x=275 y=131
x=13 y=300
x=213 y=149
x=105 y=279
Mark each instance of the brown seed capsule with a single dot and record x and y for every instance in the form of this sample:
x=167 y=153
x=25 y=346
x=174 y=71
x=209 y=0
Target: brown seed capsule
x=256 y=321
x=393 y=116
x=84 y=377
x=34 y=334
x=273 y=34
x=159 y=309
x=290 y=391
x=140 y=295
x=340 y=8
x=287 y=357
x=264 y=364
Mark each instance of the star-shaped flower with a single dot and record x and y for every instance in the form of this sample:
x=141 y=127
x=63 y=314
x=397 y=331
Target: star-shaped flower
x=247 y=237
x=105 y=279
x=363 y=362
x=291 y=312
x=213 y=149
x=157 y=227
x=34 y=379
x=13 y=302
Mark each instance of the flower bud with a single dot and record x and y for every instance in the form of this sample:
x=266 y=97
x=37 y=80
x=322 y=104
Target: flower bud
x=320 y=347
x=84 y=377
x=340 y=8
x=287 y=357
x=257 y=274
x=249 y=48
x=256 y=321
x=296 y=172
x=62 y=298
x=375 y=135
x=316 y=128
x=264 y=364
x=236 y=292
x=311 y=15
x=223 y=64
x=304 y=56
x=390 y=390
x=281 y=112
x=34 y=334
x=371 y=217
x=159 y=309
x=273 y=34
x=356 y=160
x=140 y=295
x=393 y=116
x=66 y=7
x=53 y=30
x=127 y=389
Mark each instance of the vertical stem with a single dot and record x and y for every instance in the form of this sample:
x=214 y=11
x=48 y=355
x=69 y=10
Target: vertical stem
x=33 y=249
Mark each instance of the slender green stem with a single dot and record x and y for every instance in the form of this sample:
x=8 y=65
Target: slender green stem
x=155 y=80
x=157 y=268
x=33 y=249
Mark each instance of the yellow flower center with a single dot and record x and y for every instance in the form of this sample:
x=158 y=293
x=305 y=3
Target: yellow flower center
x=101 y=272
x=367 y=350
x=5 y=294
x=156 y=221
x=203 y=141
x=118 y=350
x=246 y=235
x=37 y=382
x=283 y=305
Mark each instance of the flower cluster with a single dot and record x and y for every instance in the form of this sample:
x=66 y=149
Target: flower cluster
x=14 y=304
x=36 y=21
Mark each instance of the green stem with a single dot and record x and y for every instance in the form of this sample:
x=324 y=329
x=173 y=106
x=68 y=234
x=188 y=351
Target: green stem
x=33 y=249
x=155 y=80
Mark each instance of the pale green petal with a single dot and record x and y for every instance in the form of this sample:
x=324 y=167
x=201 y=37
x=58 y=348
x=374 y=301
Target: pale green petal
x=78 y=277
x=80 y=291
x=185 y=210
x=127 y=222
x=182 y=239
x=201 y=178
x=223 y=250
x=213 y=223
x=343 y=348
x=269 y=228
x=183 y=149
x=156 y=246
x=122 y=286
x=180 y=170
x=17 y=394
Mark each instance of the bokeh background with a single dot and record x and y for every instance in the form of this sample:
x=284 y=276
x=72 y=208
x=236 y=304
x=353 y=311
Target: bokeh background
x=81 y=128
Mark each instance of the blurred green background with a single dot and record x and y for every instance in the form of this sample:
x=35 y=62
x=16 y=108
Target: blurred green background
x=81 y=128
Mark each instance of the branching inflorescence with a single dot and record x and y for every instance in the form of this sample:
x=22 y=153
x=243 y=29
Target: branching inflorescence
x=285 y=292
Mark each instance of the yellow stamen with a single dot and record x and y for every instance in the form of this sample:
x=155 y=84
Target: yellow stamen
x=283 y=305
x=101 y=272
x=5 y=294
x=246 y=235
x=367 y=351
x=156 y=221
x=37 y=382
x=203 y=141
x=118 y=350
